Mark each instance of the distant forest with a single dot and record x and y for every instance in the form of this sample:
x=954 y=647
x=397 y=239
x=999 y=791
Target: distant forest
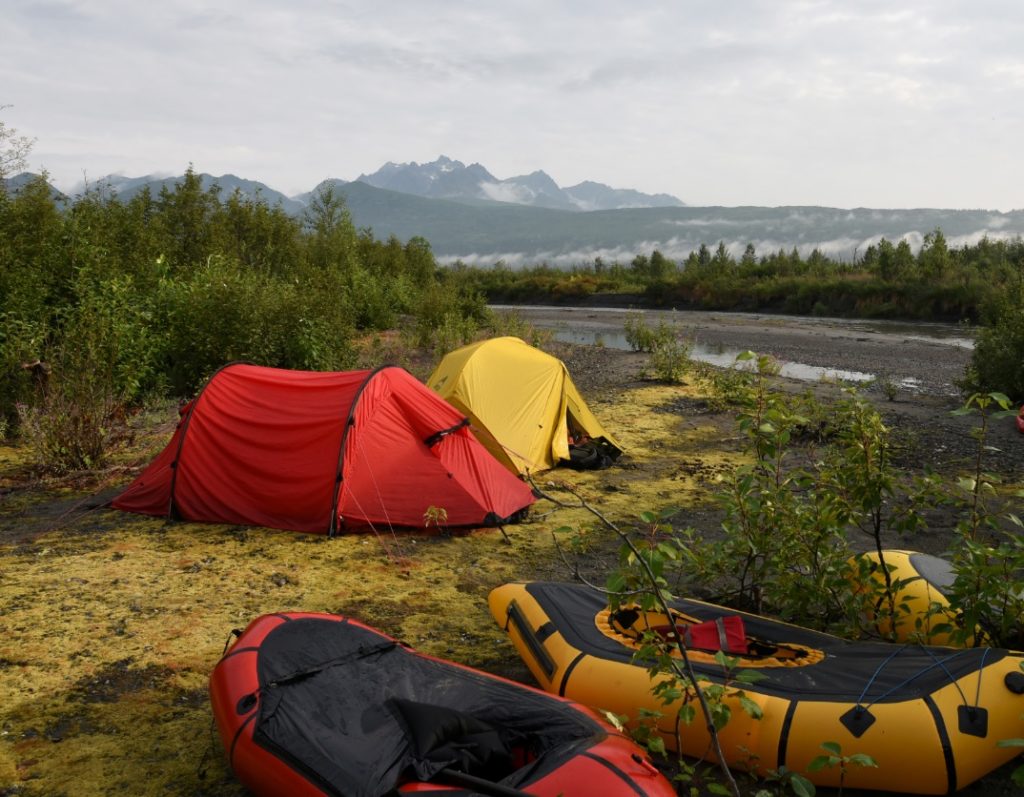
x=888 y=280
x=979 y=284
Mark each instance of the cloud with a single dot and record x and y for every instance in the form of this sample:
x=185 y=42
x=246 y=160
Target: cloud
x=507 y=192
x=741 y=103
x=844 y=248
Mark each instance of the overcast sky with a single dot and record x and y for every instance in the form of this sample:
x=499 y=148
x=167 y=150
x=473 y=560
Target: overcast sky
x=883 y=104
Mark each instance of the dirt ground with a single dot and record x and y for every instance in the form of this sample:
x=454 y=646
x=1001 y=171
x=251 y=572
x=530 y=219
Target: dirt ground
x=110 y=623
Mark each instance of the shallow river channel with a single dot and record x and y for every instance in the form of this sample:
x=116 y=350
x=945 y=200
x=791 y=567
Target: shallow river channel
x=919 y=357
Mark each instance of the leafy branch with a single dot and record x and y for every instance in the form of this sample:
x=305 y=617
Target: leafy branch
x=682 y=667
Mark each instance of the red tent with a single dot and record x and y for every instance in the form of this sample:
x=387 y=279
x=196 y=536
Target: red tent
x=324 y=452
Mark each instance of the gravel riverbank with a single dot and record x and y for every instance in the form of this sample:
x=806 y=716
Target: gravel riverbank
x=923 y=361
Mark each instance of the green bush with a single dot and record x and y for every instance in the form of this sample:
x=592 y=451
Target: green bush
x=104 y=365
x=512 y=324
x=639 y=335
x=987 y=594
x=447 y=315
x=22 y=342
x=790 y=515
x=224 y=313
x=670 y=358
x=455 y=331
x=997 y=362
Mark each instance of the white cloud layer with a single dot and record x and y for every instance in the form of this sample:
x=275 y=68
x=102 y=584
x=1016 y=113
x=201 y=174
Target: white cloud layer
x=752 y=102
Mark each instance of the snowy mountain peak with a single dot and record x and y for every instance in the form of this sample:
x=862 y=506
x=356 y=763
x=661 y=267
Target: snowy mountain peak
x=446 y=178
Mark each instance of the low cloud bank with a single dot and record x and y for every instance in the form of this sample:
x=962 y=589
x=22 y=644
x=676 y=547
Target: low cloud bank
x=678 y=248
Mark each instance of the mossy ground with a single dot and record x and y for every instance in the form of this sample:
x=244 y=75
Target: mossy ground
x=111 y=623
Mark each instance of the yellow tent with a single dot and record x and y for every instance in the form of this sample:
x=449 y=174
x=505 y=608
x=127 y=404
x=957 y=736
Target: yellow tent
x=520 y=401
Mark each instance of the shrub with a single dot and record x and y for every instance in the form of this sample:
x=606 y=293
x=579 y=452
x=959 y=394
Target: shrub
x=447 y=316
x=455 y=331
x=987 y=593
x=786 y=548
x=69 y=428
x=670 y=358
x=22 y=343
x=223 y=313
x=639 y=336
x=104 y=365
x=375 y=302
x=997 y=362
x=512 y=323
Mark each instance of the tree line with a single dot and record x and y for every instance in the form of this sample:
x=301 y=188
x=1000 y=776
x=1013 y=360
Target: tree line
x=106 y=304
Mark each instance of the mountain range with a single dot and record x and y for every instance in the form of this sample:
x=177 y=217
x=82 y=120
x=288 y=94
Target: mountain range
x=451 y=179
x=467 y=214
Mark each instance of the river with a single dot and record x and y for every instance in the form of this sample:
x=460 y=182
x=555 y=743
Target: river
x=916 y=357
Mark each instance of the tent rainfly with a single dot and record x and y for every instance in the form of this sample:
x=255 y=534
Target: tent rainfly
x=324 y=452
x=521 y=402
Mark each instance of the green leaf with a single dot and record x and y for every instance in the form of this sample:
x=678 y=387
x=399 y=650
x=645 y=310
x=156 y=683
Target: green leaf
x=616 y=583
x=718 y=788
x=801 y=786
x=863 y=760
x=833 y=747
x=720 y=715
x=749 y=676
x=1001 y=399
x=751 y=708
x=818 y=763
x=1010 y=743
x=722 y=659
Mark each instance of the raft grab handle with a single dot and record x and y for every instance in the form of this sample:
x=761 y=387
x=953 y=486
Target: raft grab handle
x=526 y=633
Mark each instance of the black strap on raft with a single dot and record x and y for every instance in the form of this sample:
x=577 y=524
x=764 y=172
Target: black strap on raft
x=436 y=437
x=972 y=719
x=480 y=785
x=515 y=616
x=234 y=634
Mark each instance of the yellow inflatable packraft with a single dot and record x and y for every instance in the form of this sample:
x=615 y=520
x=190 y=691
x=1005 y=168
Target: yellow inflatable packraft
x=929 y=716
